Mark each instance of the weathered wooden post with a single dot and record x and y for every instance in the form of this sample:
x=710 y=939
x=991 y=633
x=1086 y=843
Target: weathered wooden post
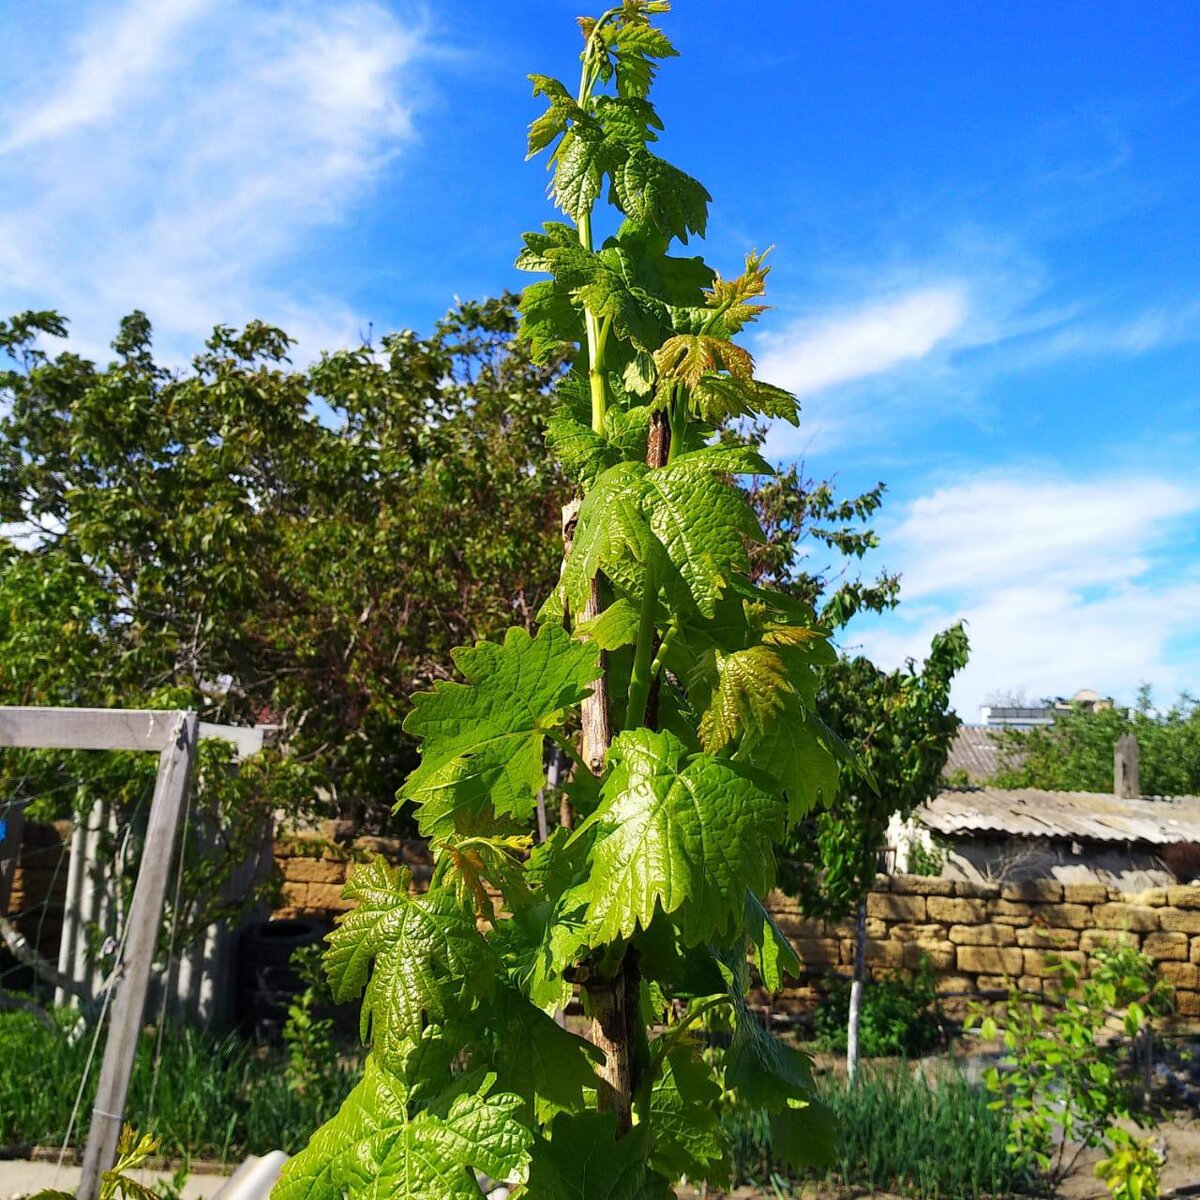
x=1126 y=776
x=145 y=915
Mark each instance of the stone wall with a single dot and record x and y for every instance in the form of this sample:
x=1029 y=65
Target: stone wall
x=977 y=937
x=314 y=870
x=980 y=937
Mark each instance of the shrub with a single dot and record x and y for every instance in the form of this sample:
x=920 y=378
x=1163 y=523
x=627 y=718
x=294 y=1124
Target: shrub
x=1061 y=1082
x=900 y=1015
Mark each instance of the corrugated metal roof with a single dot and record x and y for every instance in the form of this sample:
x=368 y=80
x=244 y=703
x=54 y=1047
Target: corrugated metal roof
x=974 y=750
x=1082 y=816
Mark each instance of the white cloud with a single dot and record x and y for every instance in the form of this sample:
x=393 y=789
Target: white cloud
x=1061 y=583
x=136 y=46
x=174 y=166
x=813 y=355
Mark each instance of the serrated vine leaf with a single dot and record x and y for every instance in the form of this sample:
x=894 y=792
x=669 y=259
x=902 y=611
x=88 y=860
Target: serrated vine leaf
x=688 y=357
x=790 y=750
x=376 y=1148
x=428 y=957
x=616 y=626
x=776 y=956
x=765 y=1072
x=583 y=1160
x=612 y=534
x=752 y=688
x=717 y=398
x=703 y=522
x=536 y=1055
x=635 y=45
x=686 y=834
x=482 y=741
x=688 y=1138
x=656 y=193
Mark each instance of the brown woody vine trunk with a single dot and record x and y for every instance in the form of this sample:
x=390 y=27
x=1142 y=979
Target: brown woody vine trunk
x=613 y=1003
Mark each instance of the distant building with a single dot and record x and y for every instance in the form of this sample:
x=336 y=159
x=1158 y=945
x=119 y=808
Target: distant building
x=985 y=834
x=1030 y=716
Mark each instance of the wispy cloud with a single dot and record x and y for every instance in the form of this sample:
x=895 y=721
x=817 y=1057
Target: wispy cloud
x=1064 y=584
x=813 y=355
x=174 y=167
x=929 y=342
x=110 y=67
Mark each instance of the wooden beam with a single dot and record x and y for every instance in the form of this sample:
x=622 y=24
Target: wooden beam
x=143 y=921
x=247 y=738
x=112 y=729
x=87 y=728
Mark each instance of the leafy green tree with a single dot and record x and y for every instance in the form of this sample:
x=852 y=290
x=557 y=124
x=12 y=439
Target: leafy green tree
x=265 y=543
x=901 y=726
x=1076 y=752
x=694 y=693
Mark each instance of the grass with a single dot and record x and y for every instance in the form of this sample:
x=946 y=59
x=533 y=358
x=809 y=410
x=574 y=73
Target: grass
x=897 y=1133
x=224 y=1098
x=214 y=1097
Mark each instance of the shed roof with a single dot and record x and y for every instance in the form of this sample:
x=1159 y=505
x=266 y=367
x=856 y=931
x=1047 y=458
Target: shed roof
x=1080 y=816
x=975 y=751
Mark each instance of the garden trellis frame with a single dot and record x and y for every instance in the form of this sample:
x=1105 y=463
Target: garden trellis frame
x=173 y=735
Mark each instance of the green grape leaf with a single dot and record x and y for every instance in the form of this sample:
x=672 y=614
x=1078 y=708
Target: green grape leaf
x=775 y=955
x=611 y=533
x=688 y=357
x=630 y=119
x=551 y=324
x=635 y=45
x=684 y=1121
x=686 y=834
x=536 y=1055
x=684 y=971
x=375 y=1148
x=752 y=687
x=652 y=191
x=722 y=460
x=805 y=1135
x=626 y=429
x=765 y=1072
x=582 y=452
x=553 y=122
x=482 y=741
x=674 y=280
x=703 y=522
x=616 y=626
x=790 y=751
x=585 y=154
x=583 y=1160
x=429 y=958
x=716 y=398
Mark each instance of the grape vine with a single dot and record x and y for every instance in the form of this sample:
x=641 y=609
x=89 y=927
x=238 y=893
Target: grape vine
x=684 y=697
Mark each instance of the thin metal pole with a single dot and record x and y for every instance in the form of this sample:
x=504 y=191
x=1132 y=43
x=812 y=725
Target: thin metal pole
x=145 y=917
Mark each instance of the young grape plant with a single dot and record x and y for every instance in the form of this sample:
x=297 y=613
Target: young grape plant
x=682 y=694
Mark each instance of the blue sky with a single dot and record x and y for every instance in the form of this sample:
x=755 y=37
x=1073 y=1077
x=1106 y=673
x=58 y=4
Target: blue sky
x=986 y=220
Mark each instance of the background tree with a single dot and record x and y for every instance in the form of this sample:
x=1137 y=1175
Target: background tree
x=264 y=544
x=901 y=726
x=1076 y=752
x=300 y=547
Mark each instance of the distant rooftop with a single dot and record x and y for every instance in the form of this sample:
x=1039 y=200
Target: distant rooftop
x=975 y=752
x=1079 y=816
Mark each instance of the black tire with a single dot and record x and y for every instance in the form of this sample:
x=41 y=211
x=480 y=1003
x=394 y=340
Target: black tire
x=266 y=980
